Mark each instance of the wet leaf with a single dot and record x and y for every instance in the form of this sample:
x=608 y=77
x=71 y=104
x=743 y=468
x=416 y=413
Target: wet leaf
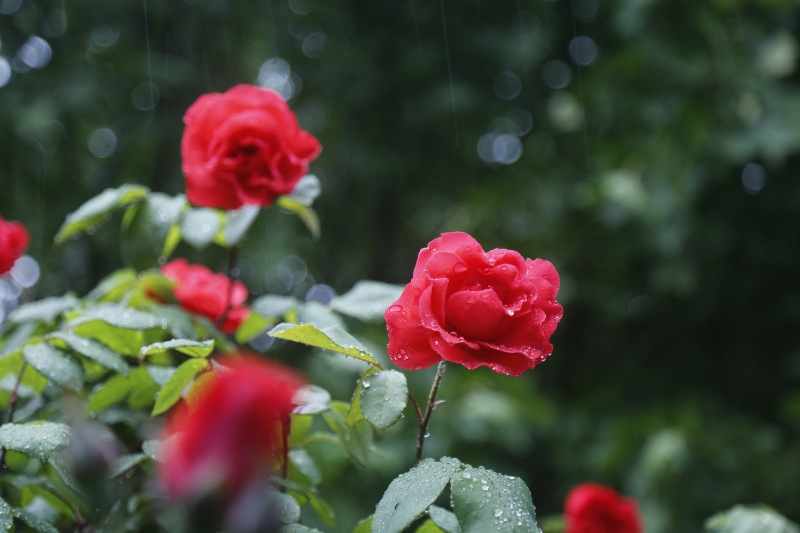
x=94 y=350
x=750 y=519
x=160 y=374
x=237 y=223
x=6 y=518
x=429 y=527
x=145 y=236
x=39 y=440
x=311 y=400
x=189 y=347
x=114 y=286
x=355 y=414
x=305 y=213
x=95 y=211
x=412 y=493
x=305 y=464
x=484 y=500
x=55 y=365
x=33 y=521
x=273 y=305
x=287 y=510
x=307 y=190
x=46 y=310
x=364 y=526
x=384 y=395
x=368 y=300
x=331 y=338
x=444 y=519
x=322 y=508
x=118 y=316
x=172 y=389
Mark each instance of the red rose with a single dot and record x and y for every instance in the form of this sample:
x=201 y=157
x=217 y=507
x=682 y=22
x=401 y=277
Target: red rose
x=228 y=437
x=593 y=508
x=243 y=147
x=473 y=308
x=200 y=291
x=14 y=241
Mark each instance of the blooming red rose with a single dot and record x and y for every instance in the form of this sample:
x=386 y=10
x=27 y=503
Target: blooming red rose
x=473 y=308
x=593 y=508
x=200 y=291
x=243 y=147
x=228 y=436
x=14 y=241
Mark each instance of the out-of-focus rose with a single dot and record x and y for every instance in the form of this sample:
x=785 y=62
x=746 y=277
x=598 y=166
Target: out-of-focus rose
x=594 y=508
x=473 y=308
x=14 y=241
x=243 y=146
x=200 y=291
x=228 y=437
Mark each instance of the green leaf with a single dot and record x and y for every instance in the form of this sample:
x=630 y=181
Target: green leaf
x=94 y=350
x=322 y=508
x=307 y=190
x=172 y=389
x=274 y=306
x=364 y=526
x=487 y=501
x=305 y=464
x=46 y=310
x=311 y=400
x=118 y=316
x=179 y=321
x=143 y=389
x=304 y=212
x=444 y=519
x=200 y=226
x=125 y=463
x=253 y=326
x=192 y=348
x=160 y=374
x=98 y=209
x=552 y=524
x=17 y=339
x=297 y=528
x=120 y=340
x=750 y=519
x=368 y=300
x=429 y=527
x=114 y=286
x=146 y=235
x=383 y=397
x=318 y=315
x=39 y=440
x=331 y=338
x=6 y=518
x=357 y=441
x=237 y=224
x=300 y=426
x=355 y=414
x=113 y=391
x=55 y=365
x=287 y=510
x=410 y=495
x=33 y=521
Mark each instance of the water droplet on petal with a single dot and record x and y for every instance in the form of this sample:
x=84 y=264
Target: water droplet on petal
x=395 y=308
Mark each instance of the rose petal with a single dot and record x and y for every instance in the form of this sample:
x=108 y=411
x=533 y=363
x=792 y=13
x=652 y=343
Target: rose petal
x=475 y=312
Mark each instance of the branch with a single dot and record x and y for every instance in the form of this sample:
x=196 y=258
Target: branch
x=423 y=427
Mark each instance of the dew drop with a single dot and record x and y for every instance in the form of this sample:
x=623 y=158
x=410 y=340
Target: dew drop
x=395 y=308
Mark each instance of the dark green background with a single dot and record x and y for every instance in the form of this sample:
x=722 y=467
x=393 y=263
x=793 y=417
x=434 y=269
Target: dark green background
x=676 y=370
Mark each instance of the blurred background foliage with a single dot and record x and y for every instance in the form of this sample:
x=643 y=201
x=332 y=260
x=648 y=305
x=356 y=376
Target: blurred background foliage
x=648 y=148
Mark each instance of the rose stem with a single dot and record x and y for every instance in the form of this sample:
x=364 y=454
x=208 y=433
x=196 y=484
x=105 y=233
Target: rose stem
x=423 y=428
x=12 y=403
x=287 y=427
x=233 y=273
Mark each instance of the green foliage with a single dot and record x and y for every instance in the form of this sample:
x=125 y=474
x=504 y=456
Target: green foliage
x=383 y=397
x=39 y=440
x=486 y=501
x=172 y=389
x=411 y=494
x=189 y=347
x=55 y=365
x=97 y=210
x=368 y=300
x=97 y=351
x=444 y=519
x=46 y=310
x=199 y=227
x=332 y=338
x=750 y=519
x=113 y=391
x=147 y=229
x=236 y=225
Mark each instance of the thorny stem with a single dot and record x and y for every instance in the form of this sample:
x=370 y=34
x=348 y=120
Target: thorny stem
x=12 y=403
x=423 y=427
x=232 y=274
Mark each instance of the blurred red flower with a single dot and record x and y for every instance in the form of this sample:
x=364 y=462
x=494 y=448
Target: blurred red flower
x=594 y=508
x=228 y=436
x=200 y=291
x=473 y=308
x=14 y=241
x=243 y=146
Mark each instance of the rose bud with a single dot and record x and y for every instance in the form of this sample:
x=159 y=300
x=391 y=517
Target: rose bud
x=243 y=146
x=200 y=291
x=227 y=440
x=14 y=239
x=594 y=508
x=473 y=308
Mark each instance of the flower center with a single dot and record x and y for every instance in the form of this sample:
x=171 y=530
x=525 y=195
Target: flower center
x=475 y=314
